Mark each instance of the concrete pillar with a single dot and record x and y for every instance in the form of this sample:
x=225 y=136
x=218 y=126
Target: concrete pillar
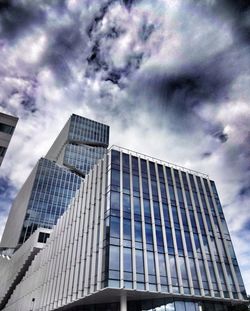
x=123 y=303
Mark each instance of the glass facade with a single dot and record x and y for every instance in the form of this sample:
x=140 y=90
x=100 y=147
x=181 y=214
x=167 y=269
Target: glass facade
x=88 y=131
x=139 y=235
x=166 y=232
x=75 y=151
x=51 y=193
x=82 y=157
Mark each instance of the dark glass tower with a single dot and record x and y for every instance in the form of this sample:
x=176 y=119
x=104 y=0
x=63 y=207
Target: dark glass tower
x=55 y=179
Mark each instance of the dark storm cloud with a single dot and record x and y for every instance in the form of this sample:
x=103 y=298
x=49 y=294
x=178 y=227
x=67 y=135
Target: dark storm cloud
x=206 y=155
x=236 y=11
x=240 y=12
x=183 y=90
x=244 y=191
x=16 y=18
x=98 y=17
x=146 y=31
x=99 y=58
x=96 y=59
x=222 y=137
x=63 y=46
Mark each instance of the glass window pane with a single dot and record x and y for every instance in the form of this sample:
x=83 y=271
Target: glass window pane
x=115 y=227
x=151 y=263
x=127 y=229
x=127 y=259
x=137 y=206
x=115 y=177
x=138 y=231
x=139 y=261
x=115 y=200
x=126 y=203
x=114 y=257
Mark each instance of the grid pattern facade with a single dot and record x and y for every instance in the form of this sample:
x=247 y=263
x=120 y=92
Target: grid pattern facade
x=82 y=157
x=52 y=190
x=168 y=230
x=88 y=131
x=138 y=226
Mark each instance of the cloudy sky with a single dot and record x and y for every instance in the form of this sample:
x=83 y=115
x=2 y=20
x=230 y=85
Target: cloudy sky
x=171 y=78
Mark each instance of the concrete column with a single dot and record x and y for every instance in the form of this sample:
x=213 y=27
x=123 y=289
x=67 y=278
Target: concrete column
x=123 y=303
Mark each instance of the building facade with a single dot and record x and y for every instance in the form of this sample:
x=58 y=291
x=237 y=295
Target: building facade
x=7 y=127
x=54 y=180
x=140 y=234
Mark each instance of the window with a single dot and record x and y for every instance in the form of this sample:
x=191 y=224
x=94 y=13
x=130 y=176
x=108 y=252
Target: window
x=2 y=151
x=147 y=211
x=126 y=181
x=6 y=128
x=42 y=238
x=157 y=213
x=170 y=241
x=169 y=176
x=115 y=159
x=197 y=243
x=127 y=255
x=126 y=203
x=149 y=233
x=144 y=168
x=159 y=236
x=139 y=261
x=137 y=206
x=151 y=263
x=173 y=270
x=115 y=179
x=114 y=261
x=145 y=186
x=194 y=276
x=136 y=186
x=179 y=241
x=160 y=172
x=183 y=269
x=175 y=217
x=138 y=231
x=127 y=229
x=135 y=164
x=171 y=193
x=125 y=160
x=162 y=265
x=115 y=227
x=188 y=243
x=204 y=276
x=115 y=200
x=180 y=196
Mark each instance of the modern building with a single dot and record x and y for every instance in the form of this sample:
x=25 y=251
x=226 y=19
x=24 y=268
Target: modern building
x=140 y=234
x=7 y=127
x=54 y=180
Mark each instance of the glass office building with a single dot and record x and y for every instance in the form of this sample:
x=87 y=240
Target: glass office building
x=53 y=182
x=140 y=234
x=167 y=226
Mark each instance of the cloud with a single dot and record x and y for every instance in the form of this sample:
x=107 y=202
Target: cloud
x=170 y=77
